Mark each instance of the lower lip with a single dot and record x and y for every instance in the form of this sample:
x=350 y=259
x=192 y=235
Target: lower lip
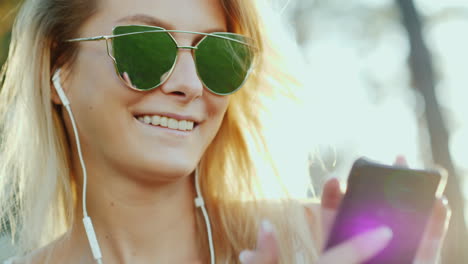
x=174 y=132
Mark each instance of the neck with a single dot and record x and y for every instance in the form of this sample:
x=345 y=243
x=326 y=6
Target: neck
x=140 y=223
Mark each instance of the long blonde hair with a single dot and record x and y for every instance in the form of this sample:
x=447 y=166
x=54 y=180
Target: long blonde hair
x=37 y=193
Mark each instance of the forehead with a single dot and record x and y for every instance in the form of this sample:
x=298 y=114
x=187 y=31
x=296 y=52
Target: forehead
x=190 y=15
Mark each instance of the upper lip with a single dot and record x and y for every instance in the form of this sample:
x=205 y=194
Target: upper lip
x=175 y=116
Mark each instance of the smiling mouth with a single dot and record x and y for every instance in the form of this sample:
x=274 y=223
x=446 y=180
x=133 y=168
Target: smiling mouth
x=166 y=122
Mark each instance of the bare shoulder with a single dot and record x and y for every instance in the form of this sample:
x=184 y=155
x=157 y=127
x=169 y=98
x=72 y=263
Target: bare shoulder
x=36 y=257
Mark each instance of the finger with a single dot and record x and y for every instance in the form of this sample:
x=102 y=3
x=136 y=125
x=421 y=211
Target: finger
x=434 y=235
x=247 y=256
x=267 y=251
x=358 y=249
x=401 y=161
x=332 y=195
x=331 y=200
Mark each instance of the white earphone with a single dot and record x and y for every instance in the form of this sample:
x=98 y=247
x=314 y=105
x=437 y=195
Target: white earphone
x=92 y=239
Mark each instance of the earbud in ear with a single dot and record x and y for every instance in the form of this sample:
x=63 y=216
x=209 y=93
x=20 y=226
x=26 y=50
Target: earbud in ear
x=58 y=87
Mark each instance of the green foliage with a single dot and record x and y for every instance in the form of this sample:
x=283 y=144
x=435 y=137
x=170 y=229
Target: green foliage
x=8 y=9
x=4 y=45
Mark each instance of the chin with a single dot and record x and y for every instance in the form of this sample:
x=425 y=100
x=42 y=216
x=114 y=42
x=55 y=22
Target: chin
x=156 y=166
x=169 y=169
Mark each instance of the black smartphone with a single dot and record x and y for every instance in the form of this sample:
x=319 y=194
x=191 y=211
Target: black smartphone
x=380 y=195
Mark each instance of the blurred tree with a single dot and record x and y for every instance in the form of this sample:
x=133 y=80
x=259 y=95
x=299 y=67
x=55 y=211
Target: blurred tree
x=424 y=81
x=367 y=21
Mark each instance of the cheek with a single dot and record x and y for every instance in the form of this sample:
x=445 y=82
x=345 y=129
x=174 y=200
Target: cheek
x=216 y=109
x=217 y=106
x=98 y=99
x=91 y=74
x=96 y=82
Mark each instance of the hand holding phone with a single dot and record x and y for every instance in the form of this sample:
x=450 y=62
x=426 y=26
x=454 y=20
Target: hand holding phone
x=361 y=248
x=379 y=195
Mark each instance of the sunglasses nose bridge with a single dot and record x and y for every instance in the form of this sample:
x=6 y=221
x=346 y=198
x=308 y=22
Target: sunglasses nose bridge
x=187 y=47
x=184 y=76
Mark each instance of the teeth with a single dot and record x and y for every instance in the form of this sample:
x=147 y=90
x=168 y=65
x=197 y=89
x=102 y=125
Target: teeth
x=189 y=125
x=171 y=123
x=163 y=121
x=183 y=125
x=156 y=120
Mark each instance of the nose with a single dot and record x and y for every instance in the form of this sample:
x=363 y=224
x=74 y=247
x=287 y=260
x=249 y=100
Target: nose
x=184 y=81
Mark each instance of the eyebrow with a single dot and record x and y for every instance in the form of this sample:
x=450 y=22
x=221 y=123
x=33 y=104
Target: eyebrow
x=153 y=21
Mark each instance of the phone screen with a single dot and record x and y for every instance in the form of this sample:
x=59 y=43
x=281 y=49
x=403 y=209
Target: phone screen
x=379 y=195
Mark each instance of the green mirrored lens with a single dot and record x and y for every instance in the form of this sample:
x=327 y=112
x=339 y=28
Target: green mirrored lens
x=222 y=64
x=144 y=60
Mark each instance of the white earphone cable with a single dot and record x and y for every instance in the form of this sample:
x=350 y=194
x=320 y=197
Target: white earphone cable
x=199 y=202
x=83 y=166
x=91 y=234
x=92 y=239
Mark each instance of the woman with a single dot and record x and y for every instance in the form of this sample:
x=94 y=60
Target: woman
x=161 y=106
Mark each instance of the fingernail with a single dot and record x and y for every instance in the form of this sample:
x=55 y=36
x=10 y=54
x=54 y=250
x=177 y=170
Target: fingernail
x=401 y=160
x=444 y=200
x=373 y=241
x=267 y=227
x=332 y=178
x=246 y=256
x=383 y=233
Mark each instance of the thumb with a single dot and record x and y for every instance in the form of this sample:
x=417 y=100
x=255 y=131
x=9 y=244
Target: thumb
x=358 y=249
x=267 y=251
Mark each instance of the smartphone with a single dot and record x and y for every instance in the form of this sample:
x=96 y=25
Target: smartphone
x=380 y=195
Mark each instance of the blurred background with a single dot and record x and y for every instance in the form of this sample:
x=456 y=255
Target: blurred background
x=385 y=78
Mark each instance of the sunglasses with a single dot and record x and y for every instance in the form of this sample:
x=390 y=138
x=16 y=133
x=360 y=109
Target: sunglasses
x=145 y=56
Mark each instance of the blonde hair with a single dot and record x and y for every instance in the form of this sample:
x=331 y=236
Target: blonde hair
x=37 y=193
